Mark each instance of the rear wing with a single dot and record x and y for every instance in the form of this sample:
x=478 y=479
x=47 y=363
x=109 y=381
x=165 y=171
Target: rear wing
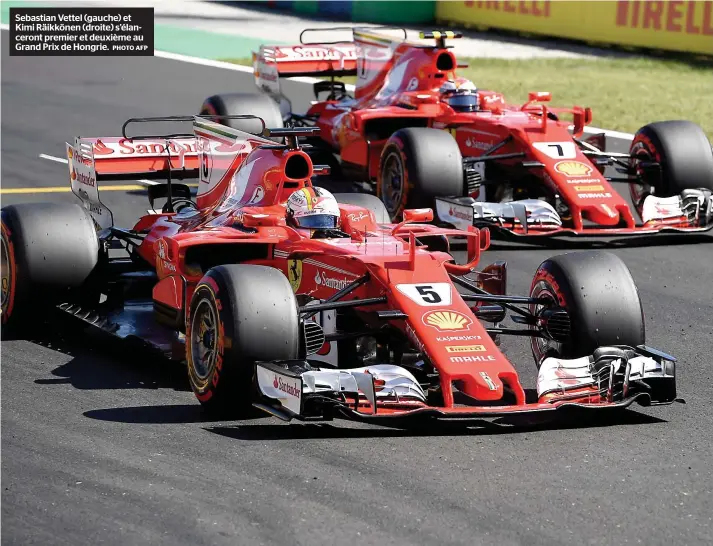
x=331 y=58
x=378 y=53
x=166 y=156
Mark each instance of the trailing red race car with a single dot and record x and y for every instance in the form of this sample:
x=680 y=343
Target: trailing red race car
x=283 y=297
x=420 y=136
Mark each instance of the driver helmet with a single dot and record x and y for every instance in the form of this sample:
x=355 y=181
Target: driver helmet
x=313 y=208
x=460 y=94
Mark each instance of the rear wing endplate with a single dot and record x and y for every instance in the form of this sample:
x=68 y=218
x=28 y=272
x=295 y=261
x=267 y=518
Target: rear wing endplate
x=165 y=156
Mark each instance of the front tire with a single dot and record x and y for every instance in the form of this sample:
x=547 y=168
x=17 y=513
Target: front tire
x=239 y=314
x=600 y=296
x=48 y=251
x=685 y=156
x=417 y=165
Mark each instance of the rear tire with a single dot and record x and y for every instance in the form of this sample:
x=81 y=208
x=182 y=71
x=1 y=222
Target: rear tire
x=601 y=298
x=685 y=156
x=239 y=314
x=417 y=165
x=48 y=251
x=244 y=104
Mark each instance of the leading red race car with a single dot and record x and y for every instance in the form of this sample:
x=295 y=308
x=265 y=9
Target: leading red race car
x=418 y=135
x=283 y=297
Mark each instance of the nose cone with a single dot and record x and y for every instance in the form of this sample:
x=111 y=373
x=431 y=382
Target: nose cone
x=604 y=215
x=481 y=385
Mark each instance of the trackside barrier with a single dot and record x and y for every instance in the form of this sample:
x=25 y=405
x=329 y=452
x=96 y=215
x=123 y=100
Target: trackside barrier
x=364 y=11
x=683 y=26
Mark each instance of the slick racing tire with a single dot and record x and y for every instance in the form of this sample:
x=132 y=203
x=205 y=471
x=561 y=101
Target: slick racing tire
x=239 y=314
x=243 y=104
x=417 y=165
x=684 y=153
x=49 y=252
x=367 y=201
x=600 y=297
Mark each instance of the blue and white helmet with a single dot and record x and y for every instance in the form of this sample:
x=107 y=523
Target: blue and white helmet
x=460 y=94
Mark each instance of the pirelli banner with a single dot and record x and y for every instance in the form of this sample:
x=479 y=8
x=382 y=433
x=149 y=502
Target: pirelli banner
x=673 y=25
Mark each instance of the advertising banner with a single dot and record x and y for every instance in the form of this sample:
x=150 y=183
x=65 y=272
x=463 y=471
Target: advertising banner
x=674 y=25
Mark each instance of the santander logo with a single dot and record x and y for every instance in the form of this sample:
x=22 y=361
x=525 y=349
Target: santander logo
x=288 y=389
x=102 y=149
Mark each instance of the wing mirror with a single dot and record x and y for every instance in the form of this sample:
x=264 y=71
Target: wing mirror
x=588 y=116
x=579 y=121
x=539 y=96
x=253 y=219
x=420 y=216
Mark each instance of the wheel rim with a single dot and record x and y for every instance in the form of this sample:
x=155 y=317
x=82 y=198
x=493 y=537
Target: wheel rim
x=5 y=274
x=392 y=182
x=542 y=347
x=204 y=339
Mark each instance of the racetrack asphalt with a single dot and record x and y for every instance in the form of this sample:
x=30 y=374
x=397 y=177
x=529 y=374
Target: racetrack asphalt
x=106 y=444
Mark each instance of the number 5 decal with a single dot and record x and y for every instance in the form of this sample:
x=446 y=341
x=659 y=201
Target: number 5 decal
x=428 y=295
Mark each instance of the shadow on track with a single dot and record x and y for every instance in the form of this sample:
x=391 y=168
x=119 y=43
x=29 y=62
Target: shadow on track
x=164 y=415
x=261 y=431
x=316 y=431
x=101 y=361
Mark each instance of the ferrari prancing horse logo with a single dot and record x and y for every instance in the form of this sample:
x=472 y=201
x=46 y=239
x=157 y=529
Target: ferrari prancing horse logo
x=294 y=274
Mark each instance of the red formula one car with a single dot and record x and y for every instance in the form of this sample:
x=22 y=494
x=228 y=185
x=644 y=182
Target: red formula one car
x=281 y=296
x=418 y=135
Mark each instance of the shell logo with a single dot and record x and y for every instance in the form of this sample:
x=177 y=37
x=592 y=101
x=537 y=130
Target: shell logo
x=445 y=321
x=69 y=153
x=573 y=168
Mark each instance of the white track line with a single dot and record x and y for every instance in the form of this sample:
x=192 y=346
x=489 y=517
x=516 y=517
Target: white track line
x=143 y=181
x=53 y=158
x=248 y=69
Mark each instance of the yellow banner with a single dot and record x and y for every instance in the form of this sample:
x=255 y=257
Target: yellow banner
x=673 y=25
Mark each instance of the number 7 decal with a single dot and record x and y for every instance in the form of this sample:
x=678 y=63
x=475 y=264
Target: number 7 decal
x=557 y=150
x=558 y=147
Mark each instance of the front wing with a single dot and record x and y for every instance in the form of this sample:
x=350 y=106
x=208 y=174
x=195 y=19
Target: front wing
x=382 y=393
x=533 y=218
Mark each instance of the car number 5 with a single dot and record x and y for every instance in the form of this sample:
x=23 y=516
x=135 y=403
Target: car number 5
x=428 y=294
x=438 y=293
